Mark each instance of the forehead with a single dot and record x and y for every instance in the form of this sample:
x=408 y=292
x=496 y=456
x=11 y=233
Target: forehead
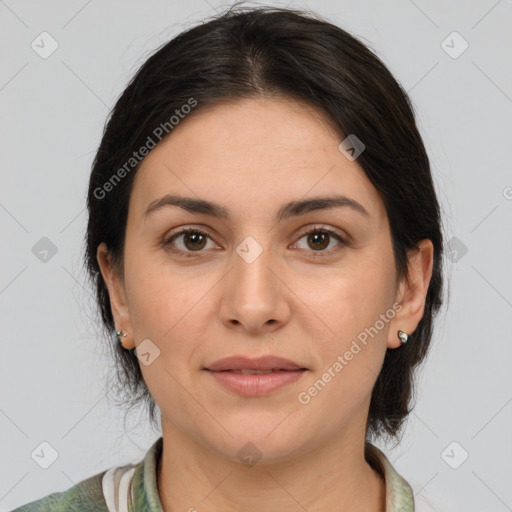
x=253 y=153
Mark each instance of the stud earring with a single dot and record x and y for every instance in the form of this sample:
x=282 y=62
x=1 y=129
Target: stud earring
x=120 y=336
x=403 y=337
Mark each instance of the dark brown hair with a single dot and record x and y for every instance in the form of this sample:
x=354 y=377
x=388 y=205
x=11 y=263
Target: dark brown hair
x=277 y=52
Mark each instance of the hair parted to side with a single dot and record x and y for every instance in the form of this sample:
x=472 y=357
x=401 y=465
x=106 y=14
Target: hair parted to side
x=277 y=52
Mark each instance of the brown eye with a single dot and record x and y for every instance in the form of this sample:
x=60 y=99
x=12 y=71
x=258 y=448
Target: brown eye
x=188 y=240
x=318 y=240
x=194 y=241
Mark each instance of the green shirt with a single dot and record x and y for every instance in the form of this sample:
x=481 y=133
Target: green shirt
x=133 y=488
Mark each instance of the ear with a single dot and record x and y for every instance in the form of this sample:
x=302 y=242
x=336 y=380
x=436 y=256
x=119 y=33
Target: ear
x=412 y=292
x=117 y=294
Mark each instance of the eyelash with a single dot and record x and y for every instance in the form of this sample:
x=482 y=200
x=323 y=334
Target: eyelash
x=315 y=254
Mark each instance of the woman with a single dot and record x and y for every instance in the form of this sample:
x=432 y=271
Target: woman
x=265 y=241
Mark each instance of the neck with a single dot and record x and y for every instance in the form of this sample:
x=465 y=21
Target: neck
x=193 y=478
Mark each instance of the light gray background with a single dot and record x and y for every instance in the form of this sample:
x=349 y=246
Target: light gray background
x=52 y=115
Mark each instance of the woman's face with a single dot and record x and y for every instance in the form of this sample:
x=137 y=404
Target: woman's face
x=256 y=283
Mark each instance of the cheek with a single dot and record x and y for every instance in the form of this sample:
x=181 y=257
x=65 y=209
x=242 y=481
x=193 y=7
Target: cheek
x=349 y=353
x=166 y=304
x=344 y=311
x=170 y=309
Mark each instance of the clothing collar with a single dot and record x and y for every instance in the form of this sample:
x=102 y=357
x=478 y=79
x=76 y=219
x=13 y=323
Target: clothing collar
x=399 y=494
x=145 y=498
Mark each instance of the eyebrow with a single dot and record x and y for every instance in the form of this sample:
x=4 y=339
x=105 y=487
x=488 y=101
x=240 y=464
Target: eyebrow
x=290 y=209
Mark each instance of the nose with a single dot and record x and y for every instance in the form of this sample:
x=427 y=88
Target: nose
x=255 y=298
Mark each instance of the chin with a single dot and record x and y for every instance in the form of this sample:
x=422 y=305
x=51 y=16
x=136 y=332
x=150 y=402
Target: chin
x=256 y=441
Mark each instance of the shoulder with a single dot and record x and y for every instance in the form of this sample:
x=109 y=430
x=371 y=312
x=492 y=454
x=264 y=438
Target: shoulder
x=423 y=500
x=85 y=496
x=401 y=495
x=128 y=487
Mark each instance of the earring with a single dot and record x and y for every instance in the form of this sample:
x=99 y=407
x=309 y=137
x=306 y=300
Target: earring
x=120 y=336
x=403 y=337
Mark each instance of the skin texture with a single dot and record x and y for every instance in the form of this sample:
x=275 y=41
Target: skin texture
x=252 y=156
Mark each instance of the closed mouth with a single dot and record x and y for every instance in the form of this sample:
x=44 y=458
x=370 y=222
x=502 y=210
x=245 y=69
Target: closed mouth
x=258 y=372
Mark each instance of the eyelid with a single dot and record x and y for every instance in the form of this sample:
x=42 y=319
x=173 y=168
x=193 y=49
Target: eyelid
x=343 y=240
x=321 y=227
x=168 y=239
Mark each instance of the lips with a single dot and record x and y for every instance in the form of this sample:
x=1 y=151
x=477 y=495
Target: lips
x=247 y=366
x=251 y=378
